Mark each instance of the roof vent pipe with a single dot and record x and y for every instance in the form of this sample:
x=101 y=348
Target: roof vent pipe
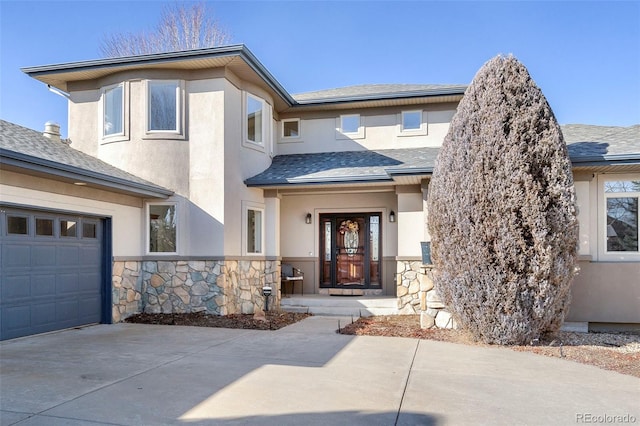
x=52 y=131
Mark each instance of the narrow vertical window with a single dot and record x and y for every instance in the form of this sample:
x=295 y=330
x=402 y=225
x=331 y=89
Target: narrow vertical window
x=113 y=107
x=255 y=108
x=254 y=231
x=622 y=215
x=162 y=228
x=163 y=106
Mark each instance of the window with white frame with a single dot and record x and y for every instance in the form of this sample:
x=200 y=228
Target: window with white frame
x=411 y=121
x=349 y=126
x=164 y=106
x=257 y=122
x=291 y=128
x=162 y=227
x=113 y=110
x=621 y=198
x=253 y=227
x=350 y=123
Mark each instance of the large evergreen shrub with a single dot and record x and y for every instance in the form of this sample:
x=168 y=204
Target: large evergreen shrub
x=502 y=213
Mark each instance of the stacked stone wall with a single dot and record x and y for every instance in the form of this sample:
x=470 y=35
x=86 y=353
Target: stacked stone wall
x=417 y=295
x=219 y=287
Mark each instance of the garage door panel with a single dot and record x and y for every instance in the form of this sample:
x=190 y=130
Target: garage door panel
x=49 y=282
x=89 y=282
x=43 y=313
x=16 y=256
x=43 y=255
x=16 y=317
x=15 y=287
x=89 y=309
x=67 y=310
x=66 y=284
x=90 y=256
x=68 y=255
x=43 y=285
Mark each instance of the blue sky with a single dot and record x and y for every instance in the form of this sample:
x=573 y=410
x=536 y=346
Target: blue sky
x=585 y=56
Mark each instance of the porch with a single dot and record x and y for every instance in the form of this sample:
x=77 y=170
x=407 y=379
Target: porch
x=356 y=306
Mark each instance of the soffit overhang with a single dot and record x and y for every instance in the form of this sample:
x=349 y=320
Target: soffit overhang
x=237 y=58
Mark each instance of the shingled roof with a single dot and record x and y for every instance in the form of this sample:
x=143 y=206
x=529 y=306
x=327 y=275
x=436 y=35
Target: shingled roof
x=587 y=145
x=378 y=91
x=25 y=148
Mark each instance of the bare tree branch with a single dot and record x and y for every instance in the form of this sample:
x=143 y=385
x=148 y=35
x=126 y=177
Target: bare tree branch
x=181 y=27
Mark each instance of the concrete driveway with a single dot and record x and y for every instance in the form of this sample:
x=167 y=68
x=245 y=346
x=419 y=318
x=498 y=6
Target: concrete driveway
x=304 y=374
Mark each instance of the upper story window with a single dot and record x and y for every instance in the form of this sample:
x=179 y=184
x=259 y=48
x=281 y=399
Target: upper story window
x=255 y=117
x=257 y=122
x=411 y=120
x=113 y=110
x=349 y=126
x=291 y=128
x=164 y=106
x=621 y=207
x=349 y=123
x=411 y=123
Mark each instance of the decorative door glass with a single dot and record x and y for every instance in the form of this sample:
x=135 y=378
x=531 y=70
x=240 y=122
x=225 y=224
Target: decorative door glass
x=350 y=250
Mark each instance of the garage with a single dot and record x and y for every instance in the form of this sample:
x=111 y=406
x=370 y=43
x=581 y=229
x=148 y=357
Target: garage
x=52 y=271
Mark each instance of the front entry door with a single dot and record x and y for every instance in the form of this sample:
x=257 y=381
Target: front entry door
x=350 y=250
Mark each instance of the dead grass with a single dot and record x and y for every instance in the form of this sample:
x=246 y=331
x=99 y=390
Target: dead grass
x=618 y=352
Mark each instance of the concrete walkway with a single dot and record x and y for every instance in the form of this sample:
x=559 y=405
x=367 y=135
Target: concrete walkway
x=304 y=374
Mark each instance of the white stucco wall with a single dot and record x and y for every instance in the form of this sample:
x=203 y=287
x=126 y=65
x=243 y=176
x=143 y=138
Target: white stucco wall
x=381 y=131
x=127 y=220
x=298 y=239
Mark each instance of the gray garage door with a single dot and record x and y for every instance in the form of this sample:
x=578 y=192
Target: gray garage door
x=51 y=274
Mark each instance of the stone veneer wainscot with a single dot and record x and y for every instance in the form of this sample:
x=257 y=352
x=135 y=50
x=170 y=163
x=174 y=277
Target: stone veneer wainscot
x=219 y=287
x=416 y=295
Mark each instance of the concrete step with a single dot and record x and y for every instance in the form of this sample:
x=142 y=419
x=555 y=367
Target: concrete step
x=341 y=306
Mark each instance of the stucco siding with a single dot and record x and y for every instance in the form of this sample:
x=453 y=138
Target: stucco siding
x=606 y=292
x=381 y=131
x=127 y=220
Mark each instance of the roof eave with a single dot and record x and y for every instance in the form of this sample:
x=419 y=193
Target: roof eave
x=320 y=181
x=380 y=97
x=239 y=50
x=11 y=159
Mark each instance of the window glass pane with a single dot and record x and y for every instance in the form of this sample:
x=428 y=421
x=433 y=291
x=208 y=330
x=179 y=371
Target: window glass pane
x=88 y=230
x=162 y=228
x=44 y=227
x=113 y=111
x=17 y=225
x=622 y=186
x=350 y=123
x=254 y=231
x=411 y=120
x=67 y=228
x=163 y=106
x=254 y=119
x=622 y=224
x=290 y=129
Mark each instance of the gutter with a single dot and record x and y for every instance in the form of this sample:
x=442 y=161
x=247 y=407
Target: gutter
x=606 y=160
x=34 y=164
